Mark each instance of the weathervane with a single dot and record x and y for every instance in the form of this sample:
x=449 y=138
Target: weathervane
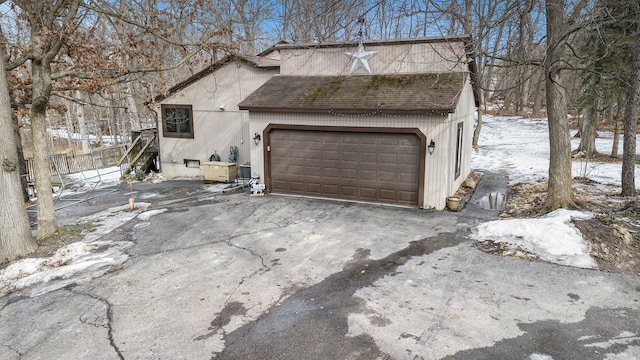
x=361 y=57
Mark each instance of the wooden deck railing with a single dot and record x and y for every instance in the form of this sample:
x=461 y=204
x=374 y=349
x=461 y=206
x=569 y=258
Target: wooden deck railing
x=63 y=164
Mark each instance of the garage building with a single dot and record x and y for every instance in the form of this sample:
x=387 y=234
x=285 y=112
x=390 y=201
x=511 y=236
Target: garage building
x=383 y=121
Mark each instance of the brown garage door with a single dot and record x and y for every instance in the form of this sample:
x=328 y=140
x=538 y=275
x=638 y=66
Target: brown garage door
x=378 y=167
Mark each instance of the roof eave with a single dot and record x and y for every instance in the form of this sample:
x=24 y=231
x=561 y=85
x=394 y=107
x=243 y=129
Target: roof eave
x=349 y=111
x=434 y=39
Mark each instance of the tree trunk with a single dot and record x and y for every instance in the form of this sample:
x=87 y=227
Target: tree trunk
x=15 y=232
x=68 y=121
x=132 y=109
x=22 y=164
x=589 y=126
x=616 y=138
x=99 y=134
x=47 y=223
x=588 y=132
x=559 y=189
x=82 y=124
x=616 y=127
x=631 y=117
x=524 y=95
x=537 y=99
x=476 y=131
x=608 y=114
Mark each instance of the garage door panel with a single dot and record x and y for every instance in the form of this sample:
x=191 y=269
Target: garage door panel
x=296 y=170
x=348 y=191
x=349 y=147
x=388 y=176
x=407 y=178
x=378 y=167
x=331 y=155
x=349 y=174
x=279 y=183
x=368 y=157
x=331 y=190
x=389 y=195
x=331 y=141
x=365 y=175
x=387 y=158
x=313 y=188
x=296 y=186
x=393 y=141
x=349 y=138
x=368 y=194
x=331 y=173
x=408 y=197
x=349 y=156
x=366 y=140
x=314 y=171
x=313 y=154
x=406 y=160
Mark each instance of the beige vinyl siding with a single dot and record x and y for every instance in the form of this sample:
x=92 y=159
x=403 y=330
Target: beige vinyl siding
x=214 y=130
x=464 y=113
x=399 y=59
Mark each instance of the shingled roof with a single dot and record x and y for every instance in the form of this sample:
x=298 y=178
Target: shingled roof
x=358 y=94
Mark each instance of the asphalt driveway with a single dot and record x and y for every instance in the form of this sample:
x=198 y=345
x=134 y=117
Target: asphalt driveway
x=228 y=276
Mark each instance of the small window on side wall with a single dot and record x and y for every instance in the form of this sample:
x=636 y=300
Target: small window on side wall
x=177 y=121
x=459 y=149
x=191 y=163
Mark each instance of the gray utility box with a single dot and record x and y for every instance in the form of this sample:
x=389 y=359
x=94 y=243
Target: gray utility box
x=245 y=170
x=219 y=171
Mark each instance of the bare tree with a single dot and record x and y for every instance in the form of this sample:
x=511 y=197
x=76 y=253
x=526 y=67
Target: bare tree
x=66 y=51
x=559 y=190
x=590 y=120
x=631 y=117
x=616 y=125
x=15 y=232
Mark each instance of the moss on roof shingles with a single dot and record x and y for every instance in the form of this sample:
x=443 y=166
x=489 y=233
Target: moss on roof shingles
x=402 y=93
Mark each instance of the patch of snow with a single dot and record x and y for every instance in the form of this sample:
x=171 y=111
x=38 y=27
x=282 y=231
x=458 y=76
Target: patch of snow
x=145 y=216
x=552 y=237
x=90 y=180
x=107 y=140
x=520 y=147
x=216 y=188
x=206 y=198
x=153 y=195
x=625 y=338
x=76 y=262
x=141 y=225
x=111 y=219
x=536 y=356
x=155 y=178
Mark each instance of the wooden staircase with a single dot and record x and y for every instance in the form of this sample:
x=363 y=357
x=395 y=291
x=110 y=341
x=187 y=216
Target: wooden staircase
x=141 y=153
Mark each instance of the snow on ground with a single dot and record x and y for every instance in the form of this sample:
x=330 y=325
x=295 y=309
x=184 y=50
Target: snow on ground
x=566 y=246
x=145 y=216
x=520 y=147
x=91 y=178
x=101 y=178
x=107 y=140
x=216 y=188
x=80 y=261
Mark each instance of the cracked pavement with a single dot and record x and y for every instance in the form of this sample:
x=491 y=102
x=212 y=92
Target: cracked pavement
x=237 y=277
